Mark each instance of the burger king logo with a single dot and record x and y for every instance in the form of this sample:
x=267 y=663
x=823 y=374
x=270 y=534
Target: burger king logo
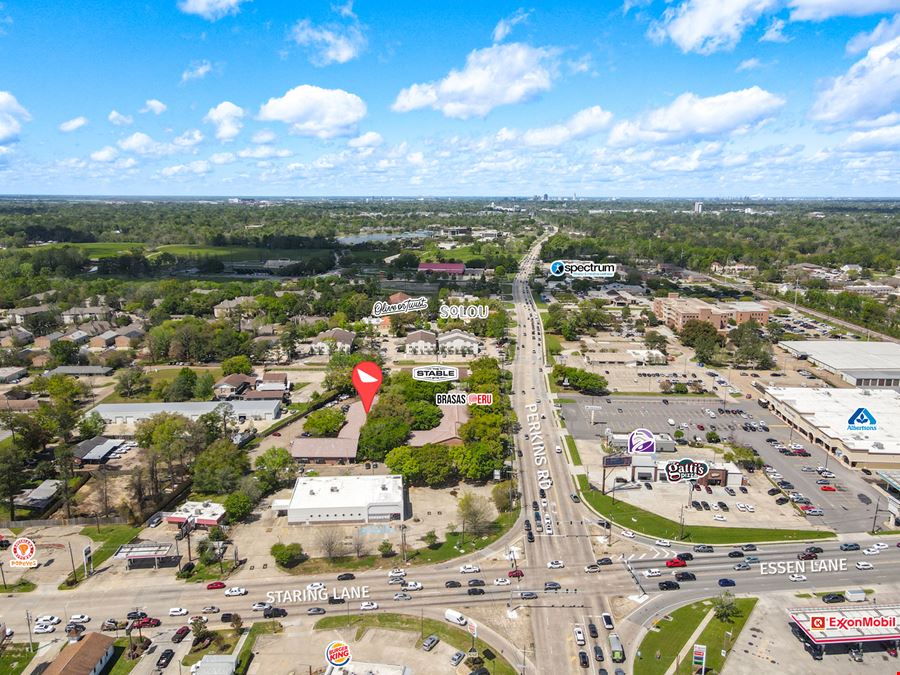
x=23 y=550
x=338 y=653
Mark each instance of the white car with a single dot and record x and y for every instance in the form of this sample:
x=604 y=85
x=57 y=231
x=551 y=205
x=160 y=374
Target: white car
x=79 y=618
x=770 y=470
x=178 y=611
x=750 y=508
x=48 y=619
x=260 y=606
x=397 y=572
x=628 y=533
x=210 y=609
x=44 y=628
x=652 y=572
x=412 y=586
x=740 y=507
x=501 y=581
x=797 y=577
x=555 y=565
x=402 y=596
x=776 y=475
x=871 y=551
x=670 y=422
x=714 y=506
x=880 y=545
x=469 y=569
x=315 y=586
x=368 y=606
x=663 y=542
x=863 y=565
x=720 y=518
x=234 y=591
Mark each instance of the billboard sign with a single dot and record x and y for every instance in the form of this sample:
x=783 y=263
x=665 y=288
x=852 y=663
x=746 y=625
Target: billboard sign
x=616 y=460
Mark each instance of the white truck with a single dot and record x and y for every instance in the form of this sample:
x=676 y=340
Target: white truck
x=855 y=595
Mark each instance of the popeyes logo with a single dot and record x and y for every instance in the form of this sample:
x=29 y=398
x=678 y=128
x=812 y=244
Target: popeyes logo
x=23 y=550
x=338 y=653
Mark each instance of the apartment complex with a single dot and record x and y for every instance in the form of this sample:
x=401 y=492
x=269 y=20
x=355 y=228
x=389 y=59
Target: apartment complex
x=675 y=311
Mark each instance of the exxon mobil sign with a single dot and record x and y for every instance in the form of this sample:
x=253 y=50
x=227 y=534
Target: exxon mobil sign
x=685 y=469
x=435 y=373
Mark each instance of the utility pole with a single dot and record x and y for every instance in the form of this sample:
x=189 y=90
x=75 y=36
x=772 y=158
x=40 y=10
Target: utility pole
x=875 y=515
x=28 y=621
x=403 y=541
x=2 y=575
x=72 y=560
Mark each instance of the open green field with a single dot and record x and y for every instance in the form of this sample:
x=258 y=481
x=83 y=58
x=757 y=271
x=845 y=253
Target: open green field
x=110 y=537
x=453 y=636
x=713 y=636
x=103 y=249
x=670 y=638
x=162 y=375
x=14 y=658
x=651 y=524
x=225 y=643
x=239 y=253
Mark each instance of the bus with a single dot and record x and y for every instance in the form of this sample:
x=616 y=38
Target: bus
x=763 y=403
x=617 y=652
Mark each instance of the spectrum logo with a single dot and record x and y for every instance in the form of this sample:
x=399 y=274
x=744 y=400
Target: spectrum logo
x=582 y=268
x=862 y=420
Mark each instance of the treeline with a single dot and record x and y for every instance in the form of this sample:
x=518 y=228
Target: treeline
x=852 y=307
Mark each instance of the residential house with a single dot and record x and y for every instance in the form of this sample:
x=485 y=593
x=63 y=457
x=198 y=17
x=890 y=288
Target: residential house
x=458 y=342
x=87 y=656
x=95 y=327
x=333 y=339
x=264 y=395
x=128 y=335
x=17 y=315
x=421 y=342
x=79 y=337
x=102 y=341
x=45 y=341
x=81 y=314
x=233 y=385
x=231 y=308
x=273 y=382
x=397 y=298
x=16 y=337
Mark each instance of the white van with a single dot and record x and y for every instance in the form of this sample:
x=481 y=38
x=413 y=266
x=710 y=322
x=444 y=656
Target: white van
x=579 y=636
x=855 y=595
x=455 y=617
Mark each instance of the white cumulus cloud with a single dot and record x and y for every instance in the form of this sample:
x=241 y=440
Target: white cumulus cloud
x=887 y=29
x=211 y=10
x=198 y=167
x=691 y=116
x=189 y=138
x=582 y=124
x=105 y=154
x=748 y=64
x=119 y=119
x=222 y=158
x=707 y=26
x=263 y=136
x=226 y=117
x=155 y=106
x=332 y=43
x=313 y=111
x=504 y=26
x=370 y=139
x=196 y=71
x=886 y=138
x=819 y=10
x=502 y=74
x=142 y=144
x=869 y=89
x=264 y=152
x=12 y=114
x=774 y=32
x=73 y=124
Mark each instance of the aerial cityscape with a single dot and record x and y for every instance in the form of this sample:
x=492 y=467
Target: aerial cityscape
x=396 y=339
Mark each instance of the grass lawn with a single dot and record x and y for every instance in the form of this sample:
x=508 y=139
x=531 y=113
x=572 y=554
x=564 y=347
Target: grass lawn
x=670 y=638
x=162 y=375
x=553 y=345
x=214 y=572
x=241 y=252
x=573 y=451
x=21 y=586
x=456 y=637
x=103 y=249
x=110 y=537
x=645 y=522
x=120 y=664
x=15 y=658
x=225 y=645
x=537 y=300
x=246 y=654
x=713 y=636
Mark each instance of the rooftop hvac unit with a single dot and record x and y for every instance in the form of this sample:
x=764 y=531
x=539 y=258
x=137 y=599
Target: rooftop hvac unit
x=384 y=487
x=334 y=488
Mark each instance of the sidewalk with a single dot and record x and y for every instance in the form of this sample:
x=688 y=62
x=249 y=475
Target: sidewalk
x=689 y=645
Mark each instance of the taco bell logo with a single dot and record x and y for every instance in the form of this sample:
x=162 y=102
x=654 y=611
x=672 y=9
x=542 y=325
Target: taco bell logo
x=862 y=420
x=641 y=441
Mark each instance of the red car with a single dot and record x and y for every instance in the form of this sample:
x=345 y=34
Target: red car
x=676 y=562
x=806 y=507
x=701 y=427
x=277 y=434
x=180 y=634
x=515 y=574
x=146 y=622
x=215 y=585
x=828 y=488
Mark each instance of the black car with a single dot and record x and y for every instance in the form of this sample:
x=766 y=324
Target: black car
x=534 y=506
x=346 y=576
x=226 y=617
x=685 y=556
x=592 y=630
x=648 y=486
x=807 y=556
x=703 y=548
x=705 y=505
x=832 y=598
x=542 y=493
x=335 y=601
x=133 y=616
x=598 y=653
x=277 y=612
x=452 y=584
x=772 y=492
x=814 y=549
x=475 y=591
x=5 y=544
x=604 y=561
x=729 y=491
x=735 y=554
x=529 y=536
x=583 y=659
x=669 y=586
x=575 y=498
x=723 y=506
x=476 y=582
x=165 y=658
x=527 y=525
x=685 y=576
x=781 y=501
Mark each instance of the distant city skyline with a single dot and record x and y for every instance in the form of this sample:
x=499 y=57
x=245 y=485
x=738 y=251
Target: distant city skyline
x=646 y=98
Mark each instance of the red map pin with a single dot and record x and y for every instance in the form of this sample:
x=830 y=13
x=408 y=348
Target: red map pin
x=367 y=380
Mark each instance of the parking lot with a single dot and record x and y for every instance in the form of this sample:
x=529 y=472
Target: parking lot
x=850 y=510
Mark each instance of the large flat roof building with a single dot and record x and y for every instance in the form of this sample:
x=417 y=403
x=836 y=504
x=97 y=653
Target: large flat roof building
x=344 y=499
x=871 y=365
x=675 y=311
x=823 y=416
x=131 y=413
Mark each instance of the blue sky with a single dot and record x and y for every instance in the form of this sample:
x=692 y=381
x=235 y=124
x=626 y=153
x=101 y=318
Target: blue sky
x=641 y=98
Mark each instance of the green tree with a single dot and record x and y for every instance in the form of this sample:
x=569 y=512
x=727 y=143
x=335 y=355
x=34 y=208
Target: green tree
x=288 y=555
x=237 y=506
x=203 y=388
x=324 y=422
x=132 y=382
x=237 y=622
x=725 y=608
x=12 y=475
x=425 y=415
x=477 y=461
x=219 y=468
x=92 y=425
x=430 y=539
x=340 y=368
x=378 y=437
x=274 y=468
x=182 y=387
x=712 y=437
x=386 y=549
x=429 y=464
x=237 y=364
x=501 y=495
x=474 y=513
x=64 y=353
x=654 y=340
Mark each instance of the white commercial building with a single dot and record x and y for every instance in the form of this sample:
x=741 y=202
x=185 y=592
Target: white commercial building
x=870 y=365
x=829 y=418
x=344 y=499
x=131 y=413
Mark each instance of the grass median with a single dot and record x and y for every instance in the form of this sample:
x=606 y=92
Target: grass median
x=653 y=525
x=670 y=639
x=245 y=656
x=456 y=637
x=713 y=636
x=573 y=451
x=14 y=658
